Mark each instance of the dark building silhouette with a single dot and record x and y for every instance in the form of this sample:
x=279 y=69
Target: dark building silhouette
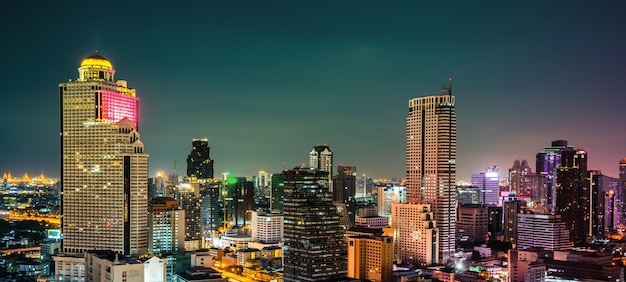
x=315 y=247
x=277 y=183
x=345 y=189
x=199 y=163
x=212 y=214
x=239 y=200
x=575 y=201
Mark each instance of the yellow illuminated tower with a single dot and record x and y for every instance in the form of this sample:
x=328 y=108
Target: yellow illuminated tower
x=104 y=170
x=431 y=162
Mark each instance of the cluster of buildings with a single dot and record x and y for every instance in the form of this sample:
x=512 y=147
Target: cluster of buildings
x=306 y=223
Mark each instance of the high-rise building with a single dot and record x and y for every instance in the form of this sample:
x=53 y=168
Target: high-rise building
x=238 y=201
x=521 y=180
x=315 y=247
x=267 y=228
x=511 y=209
x=609 y=205
x=543 y=230
x=488 y=183
x=345 y=189
x=277 y=192
x=104 y=170
x=548 y=162
x=576 y=202
x=211 y=210
x=471 y=224
x=431 y=162
x=321 y=158
x=388 y=195
x=370 y=258
x=416 y=234
x=188 y=196
x=166 y=226
x=199 y=162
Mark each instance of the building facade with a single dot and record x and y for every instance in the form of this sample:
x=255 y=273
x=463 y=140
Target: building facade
x=416 y=234
x=314 y=247
x=104 y=170
x=370 y=258
x=431 y=162
x=546 y=231
x=166 y=226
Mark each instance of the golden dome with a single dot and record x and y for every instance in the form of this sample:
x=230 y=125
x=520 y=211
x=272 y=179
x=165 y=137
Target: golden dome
x=96 y=61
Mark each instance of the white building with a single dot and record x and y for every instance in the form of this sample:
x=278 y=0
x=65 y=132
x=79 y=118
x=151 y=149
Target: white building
x=388 y=195
x=416 y=234
x=321 y=158
x=547 y=231
x=104 y=170
x=488 y=184
x=267 y=227
x=431 y=162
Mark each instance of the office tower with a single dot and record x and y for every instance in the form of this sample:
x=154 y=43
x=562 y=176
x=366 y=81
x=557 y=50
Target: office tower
x=488 y=183
x=388 y=195
x=315 y=247
x=622 y=171
x=166 y=226
x=575 y=199
x=238 y=201
x=199 y=162
x=416 y=234
x=548 y=161
x=262 y=179
x=609 y=204
x=345 y=187
x=370 y=258
x=521 y=179
x=511 y=209
x=495 y=221
x=431 y=162
x=267 y=228
x=211 y=210
x=277 y=194
x=471 y=224
x=543 y=230
x=188 y=197
x=321 y=158
x=104 y=170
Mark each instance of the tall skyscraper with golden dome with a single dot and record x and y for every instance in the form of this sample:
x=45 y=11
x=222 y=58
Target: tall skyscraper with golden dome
x=431 y=163
x=104 y=170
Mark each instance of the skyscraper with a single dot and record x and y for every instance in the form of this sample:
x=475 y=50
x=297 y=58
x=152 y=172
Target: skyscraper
x=488 y=184
x=104 y=170
x=321 y=158
x=199 y=162
x=345 y=189
x=548 y=161
x=431 y=162
x=576 y=202
x=315 y=247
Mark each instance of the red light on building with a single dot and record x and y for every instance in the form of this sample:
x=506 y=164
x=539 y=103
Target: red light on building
x=116 y=106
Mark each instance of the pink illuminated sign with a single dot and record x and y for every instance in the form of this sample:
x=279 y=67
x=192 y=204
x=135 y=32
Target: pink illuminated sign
x=116 y=106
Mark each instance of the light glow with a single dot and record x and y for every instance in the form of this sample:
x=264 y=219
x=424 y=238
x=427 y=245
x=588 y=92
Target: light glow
x=116 y=106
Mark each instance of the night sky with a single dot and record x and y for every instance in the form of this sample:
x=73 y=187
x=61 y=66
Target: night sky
x=265 y=81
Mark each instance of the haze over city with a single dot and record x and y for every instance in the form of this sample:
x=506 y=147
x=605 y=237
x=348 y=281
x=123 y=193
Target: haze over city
x=266 y=81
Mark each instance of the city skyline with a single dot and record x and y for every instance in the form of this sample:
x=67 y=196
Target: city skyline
x=264 y=82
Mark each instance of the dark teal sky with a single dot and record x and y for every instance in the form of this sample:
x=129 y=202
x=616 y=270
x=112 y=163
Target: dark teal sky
x=265 y=81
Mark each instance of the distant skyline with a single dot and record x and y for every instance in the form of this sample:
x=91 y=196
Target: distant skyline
x=265 y=81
